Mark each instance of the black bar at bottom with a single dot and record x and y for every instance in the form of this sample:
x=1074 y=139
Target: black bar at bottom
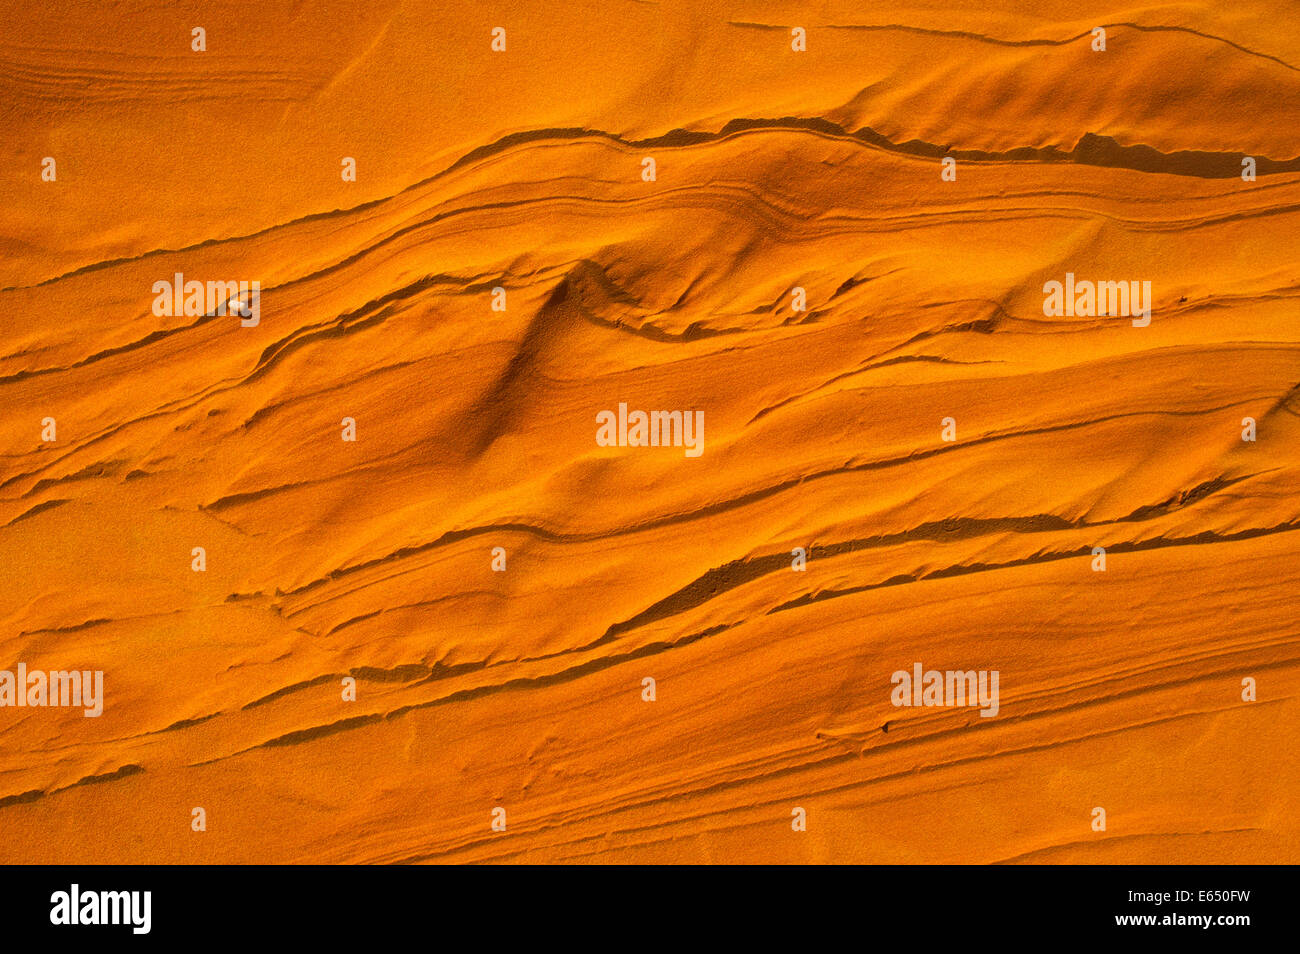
x=374 y=905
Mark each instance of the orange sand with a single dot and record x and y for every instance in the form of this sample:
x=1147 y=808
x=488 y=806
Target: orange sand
x=475 y=429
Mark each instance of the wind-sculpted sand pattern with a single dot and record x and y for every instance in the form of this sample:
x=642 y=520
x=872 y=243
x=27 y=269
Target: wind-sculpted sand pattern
x=917 y=466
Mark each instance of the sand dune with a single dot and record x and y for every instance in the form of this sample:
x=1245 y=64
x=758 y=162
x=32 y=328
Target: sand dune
x=823 y=429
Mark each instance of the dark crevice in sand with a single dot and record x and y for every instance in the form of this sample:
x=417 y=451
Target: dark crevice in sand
x=39 y=508
x=753 y=496
x=1092 y=149
x=1159 y=543
x=522 y=682
x=985 y=38
x=30 y=796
